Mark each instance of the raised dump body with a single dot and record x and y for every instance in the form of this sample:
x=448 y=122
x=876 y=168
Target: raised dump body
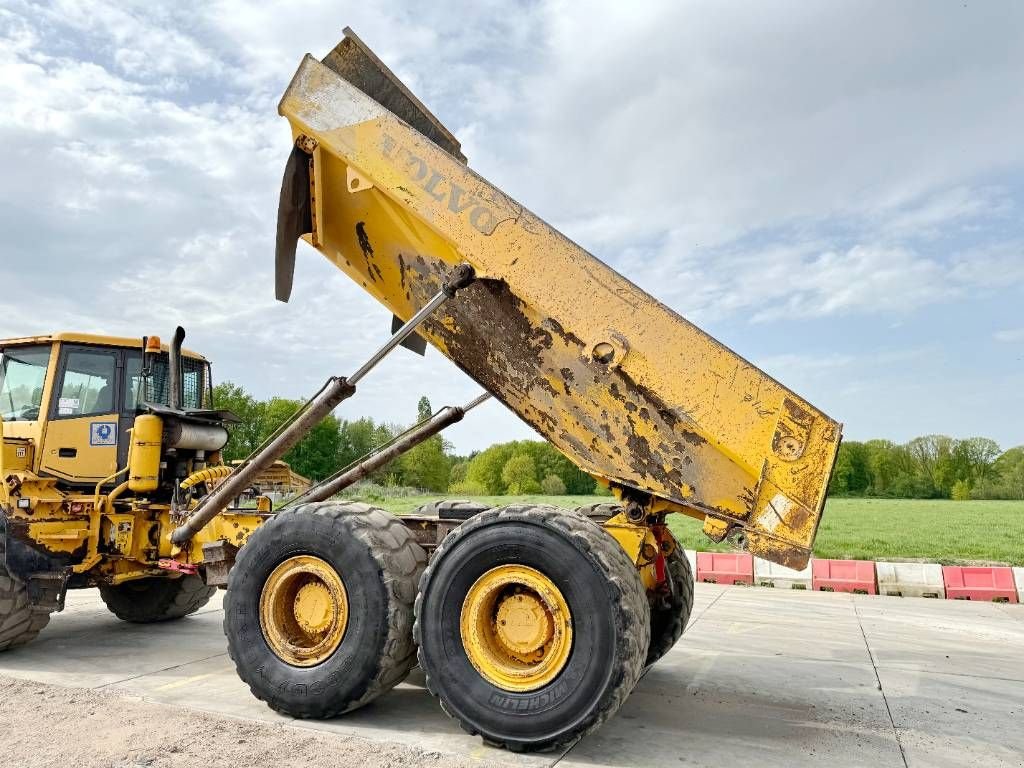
x=630 y=391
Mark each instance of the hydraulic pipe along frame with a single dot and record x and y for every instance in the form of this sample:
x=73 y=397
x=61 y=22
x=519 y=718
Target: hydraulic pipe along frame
x=389 y=451
x=337 y=389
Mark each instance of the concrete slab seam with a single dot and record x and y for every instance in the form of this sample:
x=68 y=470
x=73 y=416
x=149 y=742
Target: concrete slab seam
x=881 y=690
x=157 y=671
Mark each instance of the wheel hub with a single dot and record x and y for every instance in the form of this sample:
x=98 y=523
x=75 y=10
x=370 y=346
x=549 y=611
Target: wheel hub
x=313 y=607
x=303 y=610
x=516 y=628
x=523 y=624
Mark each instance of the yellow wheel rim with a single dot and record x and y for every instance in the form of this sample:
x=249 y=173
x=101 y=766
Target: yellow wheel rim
x=304 y=610
x=516 y=628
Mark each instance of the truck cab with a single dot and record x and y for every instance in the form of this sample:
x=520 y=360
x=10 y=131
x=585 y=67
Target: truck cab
x=68 y=400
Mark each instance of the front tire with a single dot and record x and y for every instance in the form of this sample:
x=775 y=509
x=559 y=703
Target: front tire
x=144 y=601
x=319 y=608
x=549 y=558
x=20 y=621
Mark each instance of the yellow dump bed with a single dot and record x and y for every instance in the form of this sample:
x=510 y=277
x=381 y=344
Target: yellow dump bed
x=625 y=387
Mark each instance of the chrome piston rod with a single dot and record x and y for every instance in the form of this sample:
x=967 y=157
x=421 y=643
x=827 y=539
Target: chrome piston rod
x=337 y=389
x=389 y=451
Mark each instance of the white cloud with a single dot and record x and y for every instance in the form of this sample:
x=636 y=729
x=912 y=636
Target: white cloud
x=997 y=266
x=1009 y=335
x=774 y=281
x=937 y=214
x=142 y=39
x=712 y=120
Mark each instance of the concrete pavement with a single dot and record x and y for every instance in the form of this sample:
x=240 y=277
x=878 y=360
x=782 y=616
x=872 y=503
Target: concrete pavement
x=762 y=676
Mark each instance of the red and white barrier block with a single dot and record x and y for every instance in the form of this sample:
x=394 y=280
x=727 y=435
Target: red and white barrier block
x=910 y=579
x=691 y=555
x=769 y=574
x=979 y=583
x=994 y=583
x=725 y=568
x=857 y=576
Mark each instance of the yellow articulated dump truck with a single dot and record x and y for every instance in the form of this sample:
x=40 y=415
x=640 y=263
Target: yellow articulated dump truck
x=531 y=623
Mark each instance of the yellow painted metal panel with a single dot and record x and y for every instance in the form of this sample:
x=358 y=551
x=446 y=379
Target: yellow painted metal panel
x=16 y=454
x=624 y=386
x=82 y=461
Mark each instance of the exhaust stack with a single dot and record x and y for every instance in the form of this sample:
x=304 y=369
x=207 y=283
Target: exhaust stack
x=174 y=369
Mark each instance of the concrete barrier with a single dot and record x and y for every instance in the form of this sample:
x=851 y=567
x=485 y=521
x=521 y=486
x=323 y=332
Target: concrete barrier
x=910 y=579
x=769 y=574
x=691 y=555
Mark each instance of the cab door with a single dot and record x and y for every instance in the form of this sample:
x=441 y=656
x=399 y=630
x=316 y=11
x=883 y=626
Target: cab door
x=83 y=434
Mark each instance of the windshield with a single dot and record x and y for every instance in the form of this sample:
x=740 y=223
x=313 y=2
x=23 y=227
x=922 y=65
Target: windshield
x=195 y=382
x=22 y=375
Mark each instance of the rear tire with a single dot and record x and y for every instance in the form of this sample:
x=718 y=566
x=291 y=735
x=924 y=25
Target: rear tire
x=20 y=621
x=600 y=512
x=144 y=601
x=607 y=607
x=451 y=509
x=379 y=565
x=671 y=612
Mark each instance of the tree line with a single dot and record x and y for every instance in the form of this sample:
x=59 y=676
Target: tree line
x=932 y=466
x=929 y=467
x=334 y=444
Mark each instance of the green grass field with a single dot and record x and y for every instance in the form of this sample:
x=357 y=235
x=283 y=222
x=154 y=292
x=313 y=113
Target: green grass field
x=949 y=532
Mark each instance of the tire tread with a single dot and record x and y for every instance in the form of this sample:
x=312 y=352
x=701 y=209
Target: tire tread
x=163 y=599
x=20 y=621
x=628 y=594
x=669 y=623
x=401 y=561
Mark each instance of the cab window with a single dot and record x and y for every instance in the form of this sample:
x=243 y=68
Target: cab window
x=22 y=375
x=87 y=386
x=134 y=397
x=195 y=382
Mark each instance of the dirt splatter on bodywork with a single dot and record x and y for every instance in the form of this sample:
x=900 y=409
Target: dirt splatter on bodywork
x=625 y=387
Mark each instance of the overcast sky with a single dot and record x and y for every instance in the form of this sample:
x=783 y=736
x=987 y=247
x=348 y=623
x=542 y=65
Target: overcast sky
x=834 y=190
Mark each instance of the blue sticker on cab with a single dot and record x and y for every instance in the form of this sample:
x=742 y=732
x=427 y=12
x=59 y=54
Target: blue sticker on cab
x=103 y=433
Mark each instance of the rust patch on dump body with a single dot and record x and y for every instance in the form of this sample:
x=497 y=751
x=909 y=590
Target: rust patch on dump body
x=372 y=270
x=593 y=411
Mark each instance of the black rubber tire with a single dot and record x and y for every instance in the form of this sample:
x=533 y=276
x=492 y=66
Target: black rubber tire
x=380 y=565
x=601 y=511
x=451 y=509
x=20 y=621
x=611 y=626
x=671 y=612
x=145 y=601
